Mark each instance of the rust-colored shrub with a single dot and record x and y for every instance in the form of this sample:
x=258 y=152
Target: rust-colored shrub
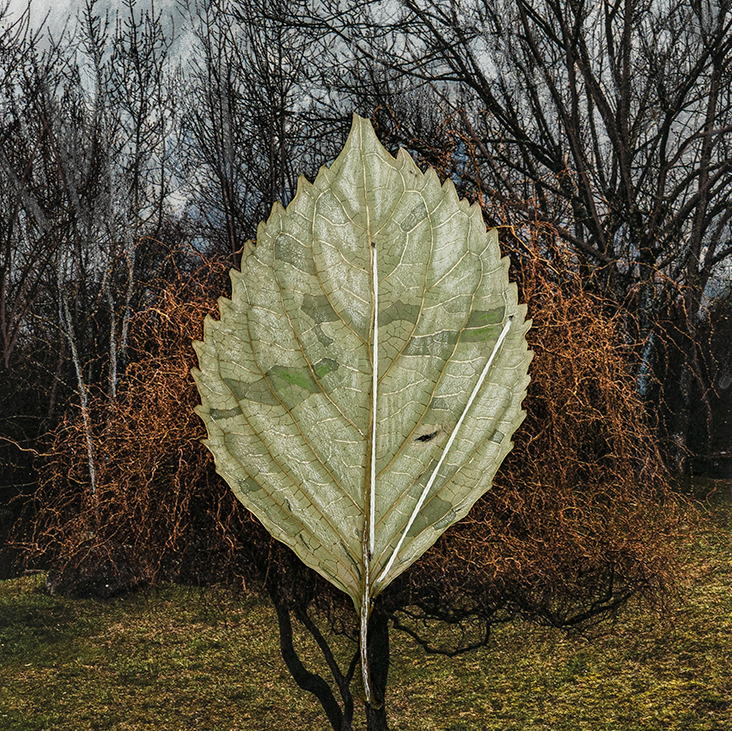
x=159 y=511
x=581 y=516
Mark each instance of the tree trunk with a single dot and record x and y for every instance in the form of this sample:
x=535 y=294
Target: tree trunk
x=379 y=663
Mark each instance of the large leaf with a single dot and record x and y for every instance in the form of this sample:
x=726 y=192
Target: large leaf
x=358 y=444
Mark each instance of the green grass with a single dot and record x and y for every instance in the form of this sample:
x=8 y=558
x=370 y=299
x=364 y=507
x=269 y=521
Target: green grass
x=175 y=658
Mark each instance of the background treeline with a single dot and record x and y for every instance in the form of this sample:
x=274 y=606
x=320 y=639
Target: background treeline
x=138 y=154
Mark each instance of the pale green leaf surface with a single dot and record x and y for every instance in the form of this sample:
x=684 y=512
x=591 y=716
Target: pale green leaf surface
x=286 y=372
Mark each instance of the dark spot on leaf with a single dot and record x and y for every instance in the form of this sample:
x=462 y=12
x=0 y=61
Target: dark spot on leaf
x=414 y=217
x=440 y=403
x=427 y=437
x=238 y=388
x=483 y=325
x=300 y=377
x=446 y=520
x=261 y=392
x=399 y=311
x=289 y=249
x=323 y=339
x=325 y=366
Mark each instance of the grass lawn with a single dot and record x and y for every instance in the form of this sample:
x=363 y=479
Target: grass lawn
x=175 y=659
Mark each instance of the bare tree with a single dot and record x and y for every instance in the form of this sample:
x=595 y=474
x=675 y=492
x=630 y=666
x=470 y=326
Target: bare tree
x=251 y=122
x=82 y=181
x=139 y=95
x=26 y=252
x=612 y=121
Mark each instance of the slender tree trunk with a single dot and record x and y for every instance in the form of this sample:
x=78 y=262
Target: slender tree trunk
x=83 y=392
x=130 y=256
x=113 y=347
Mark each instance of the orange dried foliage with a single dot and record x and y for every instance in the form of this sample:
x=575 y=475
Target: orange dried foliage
x=159 y=511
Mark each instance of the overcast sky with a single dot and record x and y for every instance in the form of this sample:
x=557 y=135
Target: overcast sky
x=59 y=10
